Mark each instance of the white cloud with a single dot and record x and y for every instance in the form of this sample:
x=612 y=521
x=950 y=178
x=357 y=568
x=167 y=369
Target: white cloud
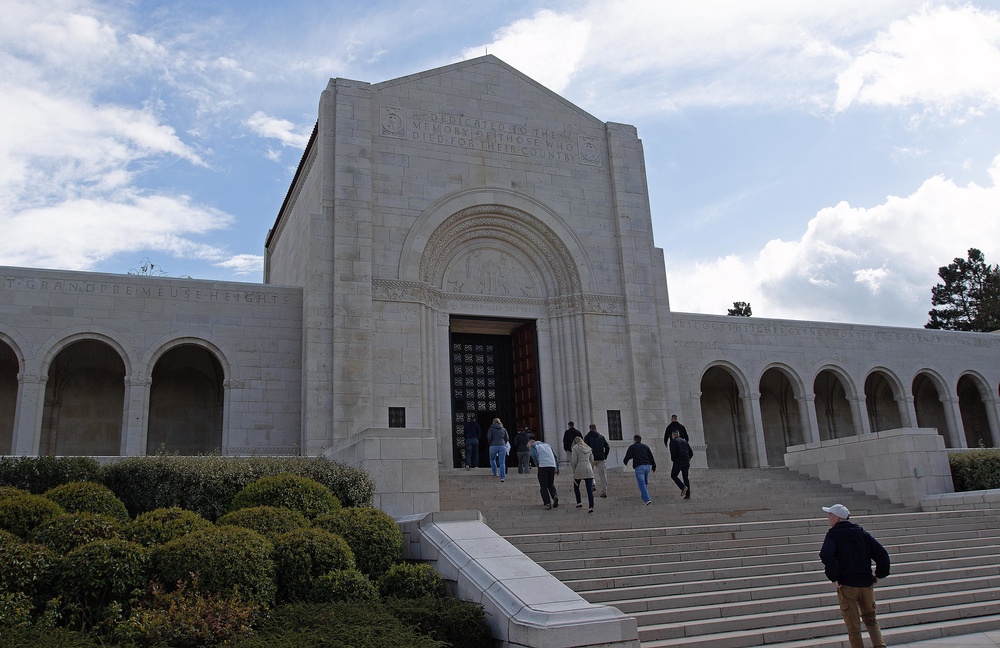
x=547 y=47
x=279 y=129
x=243 y=264
x=943 y=58
x=874 y=265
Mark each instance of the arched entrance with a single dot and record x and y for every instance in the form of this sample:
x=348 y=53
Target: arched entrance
x=186 y=402
x=724 y=421
x=974 y=418
x=493 y=375
x=833 y=410
x=779 y=412
x=8 y=396
x=929 y=408
x=84 y=401
x=880 y=400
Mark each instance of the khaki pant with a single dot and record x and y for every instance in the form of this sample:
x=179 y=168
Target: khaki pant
x=601 y=473
x=857 y=604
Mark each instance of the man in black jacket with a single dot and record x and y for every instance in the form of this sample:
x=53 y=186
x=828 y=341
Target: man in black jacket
x=599 y=445
x=568 y=436
x=675 y=425
x=643 y=462
x=680 y=457
x=847 y=555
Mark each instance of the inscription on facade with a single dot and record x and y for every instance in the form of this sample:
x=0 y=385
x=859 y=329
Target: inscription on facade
x=497 y=137
x=121 y=289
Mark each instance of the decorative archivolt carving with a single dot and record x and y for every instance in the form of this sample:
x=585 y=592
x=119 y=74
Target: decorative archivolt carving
x=514 y=227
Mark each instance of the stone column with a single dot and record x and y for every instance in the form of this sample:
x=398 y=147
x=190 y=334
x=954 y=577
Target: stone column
x=859 y=415
x=956 y=429
x=136 y=415
x=807 y=412
x=757 y=427
x=993 y=417
x=696 y=430
x=28 y=418
x=907 y=411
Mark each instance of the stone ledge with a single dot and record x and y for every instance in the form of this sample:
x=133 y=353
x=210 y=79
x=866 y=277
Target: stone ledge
x=525 y=605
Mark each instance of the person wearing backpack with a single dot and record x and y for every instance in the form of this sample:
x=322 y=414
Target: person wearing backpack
x=680 y=456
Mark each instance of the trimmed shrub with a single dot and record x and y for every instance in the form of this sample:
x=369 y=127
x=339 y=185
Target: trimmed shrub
x=344 y=586
x=38 y=637
x=374 y=537
x=269 y=521
x=67 y=531
x=22 y=514
x=24 y=567
x=77 y=497
x=302 y=556
x=186 y=617
x=307 y=496
x=461 y=624
x=411 y=580
x=335 y=625
x=11 y=491
x=973 y=470
x=15 y=609
x=227 y=560
x=163 y=525
x=39 y=474
x=207 y=484
x=97 y=573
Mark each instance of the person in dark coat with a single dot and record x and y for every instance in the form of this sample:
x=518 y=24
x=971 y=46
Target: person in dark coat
x=472 y=434
x=568 y=436
x=680 y=458
x=847 y=554
x=643 y=462
x=599 y=445
x=675 y=425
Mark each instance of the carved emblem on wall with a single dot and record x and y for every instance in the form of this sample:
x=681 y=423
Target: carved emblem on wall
x=590 y=152
x=488 y=272
x=393 y=123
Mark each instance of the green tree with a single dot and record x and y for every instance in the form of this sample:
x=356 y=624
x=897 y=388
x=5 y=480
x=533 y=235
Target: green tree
x=969 y=297
x=740 y=309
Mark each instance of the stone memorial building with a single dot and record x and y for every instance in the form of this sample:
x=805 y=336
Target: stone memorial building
x=458 y=244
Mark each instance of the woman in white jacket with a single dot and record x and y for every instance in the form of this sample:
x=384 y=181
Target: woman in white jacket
x=582 y=460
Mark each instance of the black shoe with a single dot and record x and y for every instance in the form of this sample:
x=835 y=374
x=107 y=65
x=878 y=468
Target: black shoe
x=684 y=492
x=547 y=507
x=604 y=494
x=555 y=502
x=688 y=496
x=579 y=506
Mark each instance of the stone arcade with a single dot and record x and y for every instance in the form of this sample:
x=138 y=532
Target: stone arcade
x=457 y=244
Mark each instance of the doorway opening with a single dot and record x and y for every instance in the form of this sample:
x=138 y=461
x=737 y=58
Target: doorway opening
x=494 y=374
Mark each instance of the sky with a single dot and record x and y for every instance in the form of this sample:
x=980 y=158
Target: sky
x=820 y=160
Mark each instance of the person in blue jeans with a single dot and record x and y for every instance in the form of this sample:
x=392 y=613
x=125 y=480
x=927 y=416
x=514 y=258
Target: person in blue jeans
x=498 y=439
x=643 y=462
x=472 y=434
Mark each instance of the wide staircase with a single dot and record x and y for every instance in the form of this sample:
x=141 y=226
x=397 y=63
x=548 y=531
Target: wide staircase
x=737 y=564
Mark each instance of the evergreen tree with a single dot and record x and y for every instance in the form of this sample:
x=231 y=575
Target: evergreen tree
x=969 y=297
x=740 y=309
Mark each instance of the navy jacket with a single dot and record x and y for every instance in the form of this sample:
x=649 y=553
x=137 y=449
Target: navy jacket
x=640 y=455
x=847 y=555
x=598 y=444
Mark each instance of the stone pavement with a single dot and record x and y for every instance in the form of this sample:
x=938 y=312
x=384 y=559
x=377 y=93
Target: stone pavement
x=978 y=640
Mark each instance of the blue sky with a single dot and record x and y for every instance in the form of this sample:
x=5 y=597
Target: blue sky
x=820 y=160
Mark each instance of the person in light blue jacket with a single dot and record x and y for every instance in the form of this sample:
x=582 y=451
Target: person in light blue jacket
x=498 y=439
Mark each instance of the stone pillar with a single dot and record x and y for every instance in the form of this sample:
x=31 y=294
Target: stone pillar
x=993 y=417
x=696 y=430
x=859 y=415
x=807 y=412
x=136 y=415
x=907 y=411
x=28 y=418
x=956 y=429
x=757 y=427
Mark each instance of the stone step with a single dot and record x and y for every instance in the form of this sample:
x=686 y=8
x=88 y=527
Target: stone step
x=907 y=634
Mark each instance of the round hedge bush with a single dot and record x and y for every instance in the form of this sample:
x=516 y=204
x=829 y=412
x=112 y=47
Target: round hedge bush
x=345 y=586
x=162 y=525
x=26 y=567
x=77 y=497
x=302 y=556
x=102 y=571
x=411 y=580
x=307 y=496
x=67 y=531
x=227 y=560
x=269 y=521
x=374 y=537
x=11 y=491
x=21 y=514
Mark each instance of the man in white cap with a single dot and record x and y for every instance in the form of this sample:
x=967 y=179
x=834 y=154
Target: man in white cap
x=847 y=555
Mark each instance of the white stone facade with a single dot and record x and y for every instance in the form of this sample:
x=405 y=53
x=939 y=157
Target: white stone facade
x=439 y=223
